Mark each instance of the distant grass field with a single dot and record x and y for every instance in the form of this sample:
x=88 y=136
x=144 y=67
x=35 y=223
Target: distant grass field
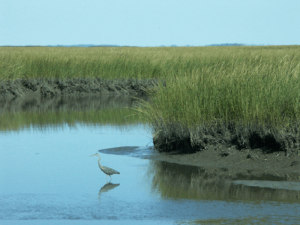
x=102 y=62
x=204 y=85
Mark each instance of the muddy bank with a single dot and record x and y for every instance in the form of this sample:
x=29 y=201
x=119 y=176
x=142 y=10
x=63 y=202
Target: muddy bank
x=62 y=87
x=231 y=163
x=208 y=167
x=229 y=151
x=177 y=137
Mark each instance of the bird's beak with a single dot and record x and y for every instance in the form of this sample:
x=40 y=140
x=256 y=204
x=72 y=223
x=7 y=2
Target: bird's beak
x=92 y=155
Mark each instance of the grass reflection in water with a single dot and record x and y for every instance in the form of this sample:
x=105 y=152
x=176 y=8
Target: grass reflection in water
x=42 y=113
x=190 y=182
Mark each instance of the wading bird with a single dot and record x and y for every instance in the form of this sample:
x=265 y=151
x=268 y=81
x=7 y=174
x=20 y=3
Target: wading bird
x=108 y=171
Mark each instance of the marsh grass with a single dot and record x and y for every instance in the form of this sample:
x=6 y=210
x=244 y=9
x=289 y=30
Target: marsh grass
x=102 y=62
x=127 y=62
x=243 y=88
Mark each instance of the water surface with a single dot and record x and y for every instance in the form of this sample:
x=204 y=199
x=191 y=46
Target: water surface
x=48 y=177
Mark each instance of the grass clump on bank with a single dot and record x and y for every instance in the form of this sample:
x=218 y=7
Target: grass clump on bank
x=252 y=91
x=247 y=99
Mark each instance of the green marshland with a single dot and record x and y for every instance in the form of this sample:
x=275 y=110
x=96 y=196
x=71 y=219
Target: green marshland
x=211 y=90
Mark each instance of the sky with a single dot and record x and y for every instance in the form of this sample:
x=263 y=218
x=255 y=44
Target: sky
x=149 y=22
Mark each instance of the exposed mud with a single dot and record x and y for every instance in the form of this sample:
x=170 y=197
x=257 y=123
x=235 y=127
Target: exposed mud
x=231 y=163
x=176 y=137
x=247 y=151
x=82 y=86
x=210 y=168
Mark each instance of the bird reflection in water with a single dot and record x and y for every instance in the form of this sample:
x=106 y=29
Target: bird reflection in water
x=107 y=187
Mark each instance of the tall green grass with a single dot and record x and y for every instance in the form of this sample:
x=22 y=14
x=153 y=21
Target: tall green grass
x=102 y=62
x=244 y=88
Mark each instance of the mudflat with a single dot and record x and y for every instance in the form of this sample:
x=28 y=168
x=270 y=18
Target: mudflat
x=231 y=163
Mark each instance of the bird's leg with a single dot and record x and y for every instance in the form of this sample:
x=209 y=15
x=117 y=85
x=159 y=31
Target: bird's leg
x=110 y=178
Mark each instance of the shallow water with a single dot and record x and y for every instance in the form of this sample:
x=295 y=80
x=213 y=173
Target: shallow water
x=48 y=177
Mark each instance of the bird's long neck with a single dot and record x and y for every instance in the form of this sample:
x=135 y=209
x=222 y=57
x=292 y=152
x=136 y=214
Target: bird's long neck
x=99 y=162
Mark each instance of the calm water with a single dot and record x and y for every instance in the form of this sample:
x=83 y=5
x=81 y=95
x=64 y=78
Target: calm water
x=48 y=177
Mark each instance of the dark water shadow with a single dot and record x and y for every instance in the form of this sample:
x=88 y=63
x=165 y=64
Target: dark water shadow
x=133 y=151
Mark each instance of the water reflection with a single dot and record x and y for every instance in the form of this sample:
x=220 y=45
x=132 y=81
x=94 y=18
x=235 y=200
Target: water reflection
x=52 y=185
x=43 y=113
x=107 y=187
x=66 y=103
x=189 y=182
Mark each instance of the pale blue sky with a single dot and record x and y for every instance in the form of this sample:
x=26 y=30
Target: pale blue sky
x=149 y=22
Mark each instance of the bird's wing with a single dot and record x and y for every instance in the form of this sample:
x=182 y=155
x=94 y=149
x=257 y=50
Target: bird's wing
x=110 y=170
